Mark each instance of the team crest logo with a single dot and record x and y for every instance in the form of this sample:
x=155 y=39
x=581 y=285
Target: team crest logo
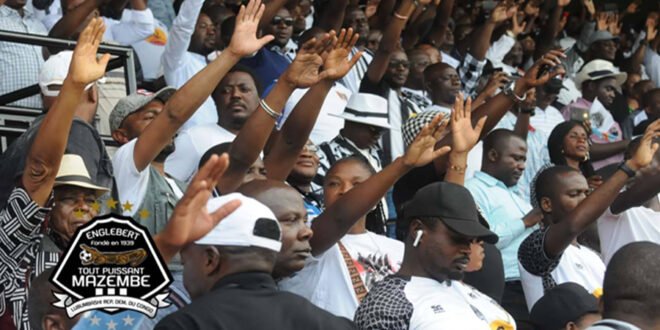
x=112 y=264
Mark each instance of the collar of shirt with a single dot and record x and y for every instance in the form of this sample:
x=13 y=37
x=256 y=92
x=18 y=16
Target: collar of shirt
x=489 y=180
x=250 y=280
x=6 y=11
x=614 y=324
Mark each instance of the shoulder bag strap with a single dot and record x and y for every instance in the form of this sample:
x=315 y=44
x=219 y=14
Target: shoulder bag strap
x=358 y=286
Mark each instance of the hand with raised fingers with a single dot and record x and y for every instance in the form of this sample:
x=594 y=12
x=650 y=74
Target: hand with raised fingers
x=532 y=9
x=501 y=13
x=304 y=71
x=613 y=25
x=545 y=68
x=497 y=81
x=191 y=220
x=517 y=28
x=591 y=8
x=464 y=135
x=86 y=67
x=647 y=147
x=421 y=150
x=244 y=41
x=602 y=21
x=336 y=62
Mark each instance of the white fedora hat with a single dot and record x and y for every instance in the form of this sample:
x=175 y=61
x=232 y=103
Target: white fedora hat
x=73 y=172
x=599 y=69
x=369 y=109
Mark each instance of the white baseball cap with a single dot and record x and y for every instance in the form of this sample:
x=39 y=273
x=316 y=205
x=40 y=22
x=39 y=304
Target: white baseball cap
x=54 y=71
x=252 y=224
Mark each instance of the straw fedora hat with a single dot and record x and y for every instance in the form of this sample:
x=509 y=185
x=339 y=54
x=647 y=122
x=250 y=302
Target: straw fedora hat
x=73 y=172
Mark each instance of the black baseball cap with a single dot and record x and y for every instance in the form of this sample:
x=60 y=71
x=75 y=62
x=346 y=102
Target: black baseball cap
x=566 y=302
x=554 y=86
x=453 y=205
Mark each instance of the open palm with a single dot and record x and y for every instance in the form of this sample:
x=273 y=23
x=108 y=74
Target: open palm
x=336 y=62
x=244 y=41
x=464 y=136
x=421 y=151
x=647 y=147
x=304 y=70
x=85 y=66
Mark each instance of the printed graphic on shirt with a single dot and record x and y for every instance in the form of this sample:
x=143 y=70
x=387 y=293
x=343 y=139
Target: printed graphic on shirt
x=111 y=265
x=158 y=38
x=374 y=268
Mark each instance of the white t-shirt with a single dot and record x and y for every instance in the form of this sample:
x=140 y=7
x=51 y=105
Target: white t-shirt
x=577 y=264
x=131 y=184
x=424 y=303
x=327 y=126
x=633 y=225
x=544 y=121
x=190 y=145
x=325 y=280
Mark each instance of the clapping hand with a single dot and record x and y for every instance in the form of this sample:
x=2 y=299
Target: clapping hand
x=244 y=41
x=86 y=67
x=336 y=62
x=304 y=70
x=421 y=150
x=464 y=136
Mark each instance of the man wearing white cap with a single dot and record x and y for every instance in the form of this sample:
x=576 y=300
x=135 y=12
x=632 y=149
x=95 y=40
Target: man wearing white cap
x=84 y=139
x=228 y=275
x=598 y=81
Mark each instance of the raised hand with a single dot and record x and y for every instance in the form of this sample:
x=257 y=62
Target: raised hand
x=336 y=63
x=191 y=220
x=531 y=9
x=602 y=21
x=563 y=3
x=647 y=147
x=517 y=28
x=464 y=136
x=421 y=151
x=244 y=41
x=550 y=62
x=502 y=13
x=651 y=32
x=497 y=81
x=591 y=8
x=613 y=25
x=86 y=67
x=304 y=70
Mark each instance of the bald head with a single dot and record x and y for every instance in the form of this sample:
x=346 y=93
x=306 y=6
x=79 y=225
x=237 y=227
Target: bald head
x=443 y=83
x=277 y=195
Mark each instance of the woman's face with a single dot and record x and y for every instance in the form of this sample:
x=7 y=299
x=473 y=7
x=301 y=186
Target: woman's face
x=575 y=143
x=342 y=178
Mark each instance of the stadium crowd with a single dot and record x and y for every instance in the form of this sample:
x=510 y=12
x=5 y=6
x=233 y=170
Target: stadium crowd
x=344 y=164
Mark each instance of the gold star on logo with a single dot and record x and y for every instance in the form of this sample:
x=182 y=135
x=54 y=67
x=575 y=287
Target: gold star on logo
x=96 y=206
x=111 y=203
x=79 y=214
x=127 y=206
x=144 y=213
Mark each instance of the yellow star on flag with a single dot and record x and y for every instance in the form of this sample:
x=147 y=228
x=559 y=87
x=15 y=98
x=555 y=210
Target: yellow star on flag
x=96 y=206
x=79 y=214
x=111 y=203
x=127 y=206
x=144 y=213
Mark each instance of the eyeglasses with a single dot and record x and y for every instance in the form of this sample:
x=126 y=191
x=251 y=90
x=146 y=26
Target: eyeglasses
x=288 y=21
x=395 y=64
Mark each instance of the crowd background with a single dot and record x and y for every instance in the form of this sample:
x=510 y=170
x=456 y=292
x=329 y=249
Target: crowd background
x=380 y=164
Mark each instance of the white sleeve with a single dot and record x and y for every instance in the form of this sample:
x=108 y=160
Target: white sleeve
x=652 y=64
x=500 y=48
x=134 y=25
x=180 y=33
x=182 y=163
x=131 y=184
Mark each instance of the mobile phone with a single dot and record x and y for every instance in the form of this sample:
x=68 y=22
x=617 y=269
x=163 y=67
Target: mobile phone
x=579 y=114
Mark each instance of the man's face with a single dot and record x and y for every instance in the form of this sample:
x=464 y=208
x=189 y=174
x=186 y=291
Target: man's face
x=604 y=49
x=373 y=41
x=357 y=20
x=444 y=253
x=288 y=207
x=528 y=45
x=606 y=91
x=71 y=210
x=135 y=123
x=342 y=178
x=543 y=98
x=281 y=27
x=632 y=79
x=236 y=98
x=418 y=62
x=449 y=39
x=203 y=39
x=307 y=164
x=363 y=135
x=510 y=162
x=196 y=262
x=446 y=84
x=256 y=172
x=398 y=69
x=653 y=109
x=572 y=189
x=515 y=55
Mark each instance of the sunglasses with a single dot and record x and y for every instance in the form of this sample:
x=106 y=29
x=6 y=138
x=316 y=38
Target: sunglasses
x=288 y=21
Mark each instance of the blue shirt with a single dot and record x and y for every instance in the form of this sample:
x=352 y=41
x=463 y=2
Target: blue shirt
x=504 y=210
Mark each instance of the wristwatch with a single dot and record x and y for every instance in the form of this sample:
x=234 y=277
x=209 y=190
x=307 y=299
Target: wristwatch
x=626 y=169
x=508 y=91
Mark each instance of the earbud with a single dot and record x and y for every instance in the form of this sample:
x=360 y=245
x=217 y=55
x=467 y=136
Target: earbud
x=418 y=238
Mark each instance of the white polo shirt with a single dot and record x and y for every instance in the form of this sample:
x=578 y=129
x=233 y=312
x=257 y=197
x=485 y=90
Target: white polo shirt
x=424 y=303
x=633 y=225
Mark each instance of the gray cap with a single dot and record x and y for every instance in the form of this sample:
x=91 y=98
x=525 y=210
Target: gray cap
x=601 y=36
x=135 y=102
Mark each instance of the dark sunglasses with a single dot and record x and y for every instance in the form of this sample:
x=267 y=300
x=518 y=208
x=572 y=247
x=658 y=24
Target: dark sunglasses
x=279 y=19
